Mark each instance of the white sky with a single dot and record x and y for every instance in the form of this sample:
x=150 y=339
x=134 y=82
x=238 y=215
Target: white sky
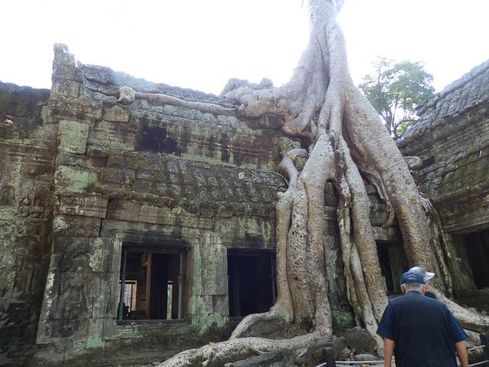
x=200 y=44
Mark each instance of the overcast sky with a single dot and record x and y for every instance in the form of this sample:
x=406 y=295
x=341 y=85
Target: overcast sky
x=200 y=44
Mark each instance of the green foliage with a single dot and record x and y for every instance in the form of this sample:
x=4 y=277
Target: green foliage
x=394 y=90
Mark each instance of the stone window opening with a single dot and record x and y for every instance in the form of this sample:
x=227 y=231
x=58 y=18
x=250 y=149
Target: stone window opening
x=251 y=281
x=151 y=283
x=477 y=249
x=393 y=263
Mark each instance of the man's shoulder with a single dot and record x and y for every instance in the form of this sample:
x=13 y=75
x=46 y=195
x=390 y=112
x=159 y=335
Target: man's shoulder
x=407 y=297
x=416 y=298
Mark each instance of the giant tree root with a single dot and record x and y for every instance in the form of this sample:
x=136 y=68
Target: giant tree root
x=470 y=320
x=127 y=95
x=249 y=324
x=217 y=354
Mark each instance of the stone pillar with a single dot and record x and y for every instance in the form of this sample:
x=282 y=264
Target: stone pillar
x=209 y=300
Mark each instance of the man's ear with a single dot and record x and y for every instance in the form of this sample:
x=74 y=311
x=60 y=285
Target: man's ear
x=403 y=289
x=424 y=288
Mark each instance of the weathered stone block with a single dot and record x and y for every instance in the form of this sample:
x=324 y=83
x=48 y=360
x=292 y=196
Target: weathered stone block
x=209 y=304
x=99 y=296
x=76 y=226
x=99 y=255
x=386 y=234
x=130 y=210
x=116 y=113
x=247 y=231
x=73 y=252
x=64 y=71
x=72 y=179
x=213 y=265
x=70 y=159
x=67 y=88
x=91 y=205
x=113 y=176
x=97 y=157
x=114 y=136
x=47 y=355
x=106 y=297
x=73 y=136
x=220 y=305
x=118 y=176
x=75 y=108
x=115 y=260
x=94 y=342
x=360 y=340
x=67 y=304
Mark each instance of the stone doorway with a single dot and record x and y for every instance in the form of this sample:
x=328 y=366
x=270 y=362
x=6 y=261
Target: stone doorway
x=393 y=263
x=477 y=247
x=251 y=282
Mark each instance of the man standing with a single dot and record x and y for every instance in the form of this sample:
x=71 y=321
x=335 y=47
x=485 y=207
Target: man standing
x=419 y=330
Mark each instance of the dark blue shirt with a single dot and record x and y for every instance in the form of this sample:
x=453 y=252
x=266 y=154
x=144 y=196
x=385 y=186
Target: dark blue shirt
x=423 y=329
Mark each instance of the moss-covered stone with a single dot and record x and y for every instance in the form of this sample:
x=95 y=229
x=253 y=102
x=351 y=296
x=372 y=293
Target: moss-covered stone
x=209 y=299
x=75 y=180
x=342 y=320
x=73 y=136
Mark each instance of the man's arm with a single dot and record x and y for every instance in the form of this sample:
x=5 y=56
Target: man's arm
x=462 y=354
x=386 y=331
x=458 y=335
x=389 y=351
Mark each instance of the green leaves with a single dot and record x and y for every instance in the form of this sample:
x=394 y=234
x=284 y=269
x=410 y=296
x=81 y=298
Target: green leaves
x=395 y=89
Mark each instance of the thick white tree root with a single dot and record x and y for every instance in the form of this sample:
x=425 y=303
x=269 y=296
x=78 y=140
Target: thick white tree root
x=127 y=95
x=470 y=320
x=218 y=354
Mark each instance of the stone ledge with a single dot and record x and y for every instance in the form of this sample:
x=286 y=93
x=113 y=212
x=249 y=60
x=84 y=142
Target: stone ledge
x=133 y=211
x=90 y=205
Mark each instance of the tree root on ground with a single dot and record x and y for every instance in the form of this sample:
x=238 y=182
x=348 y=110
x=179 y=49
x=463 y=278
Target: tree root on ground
x=218 y=354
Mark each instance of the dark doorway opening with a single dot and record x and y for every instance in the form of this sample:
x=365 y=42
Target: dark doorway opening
x=393 y=263
x=251 y=280
x=477 y=245
x=151 y=284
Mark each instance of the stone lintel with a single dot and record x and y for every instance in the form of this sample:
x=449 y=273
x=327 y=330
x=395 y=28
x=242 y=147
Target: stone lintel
x=389 y=234
x=89 y=205
x=133 y=211
x=76 y=226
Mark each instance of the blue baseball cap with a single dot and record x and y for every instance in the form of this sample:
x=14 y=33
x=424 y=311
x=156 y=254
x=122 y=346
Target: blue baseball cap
x=427 y=275
x=410 y=277
x=416 y=275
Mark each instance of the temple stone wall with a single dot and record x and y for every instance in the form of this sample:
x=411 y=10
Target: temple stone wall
x=452 y=141
x=146 y=175
x=85 y=177
x=27 y=151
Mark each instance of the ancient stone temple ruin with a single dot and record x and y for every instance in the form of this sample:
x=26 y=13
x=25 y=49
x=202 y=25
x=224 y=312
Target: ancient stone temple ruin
x=131 y=232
